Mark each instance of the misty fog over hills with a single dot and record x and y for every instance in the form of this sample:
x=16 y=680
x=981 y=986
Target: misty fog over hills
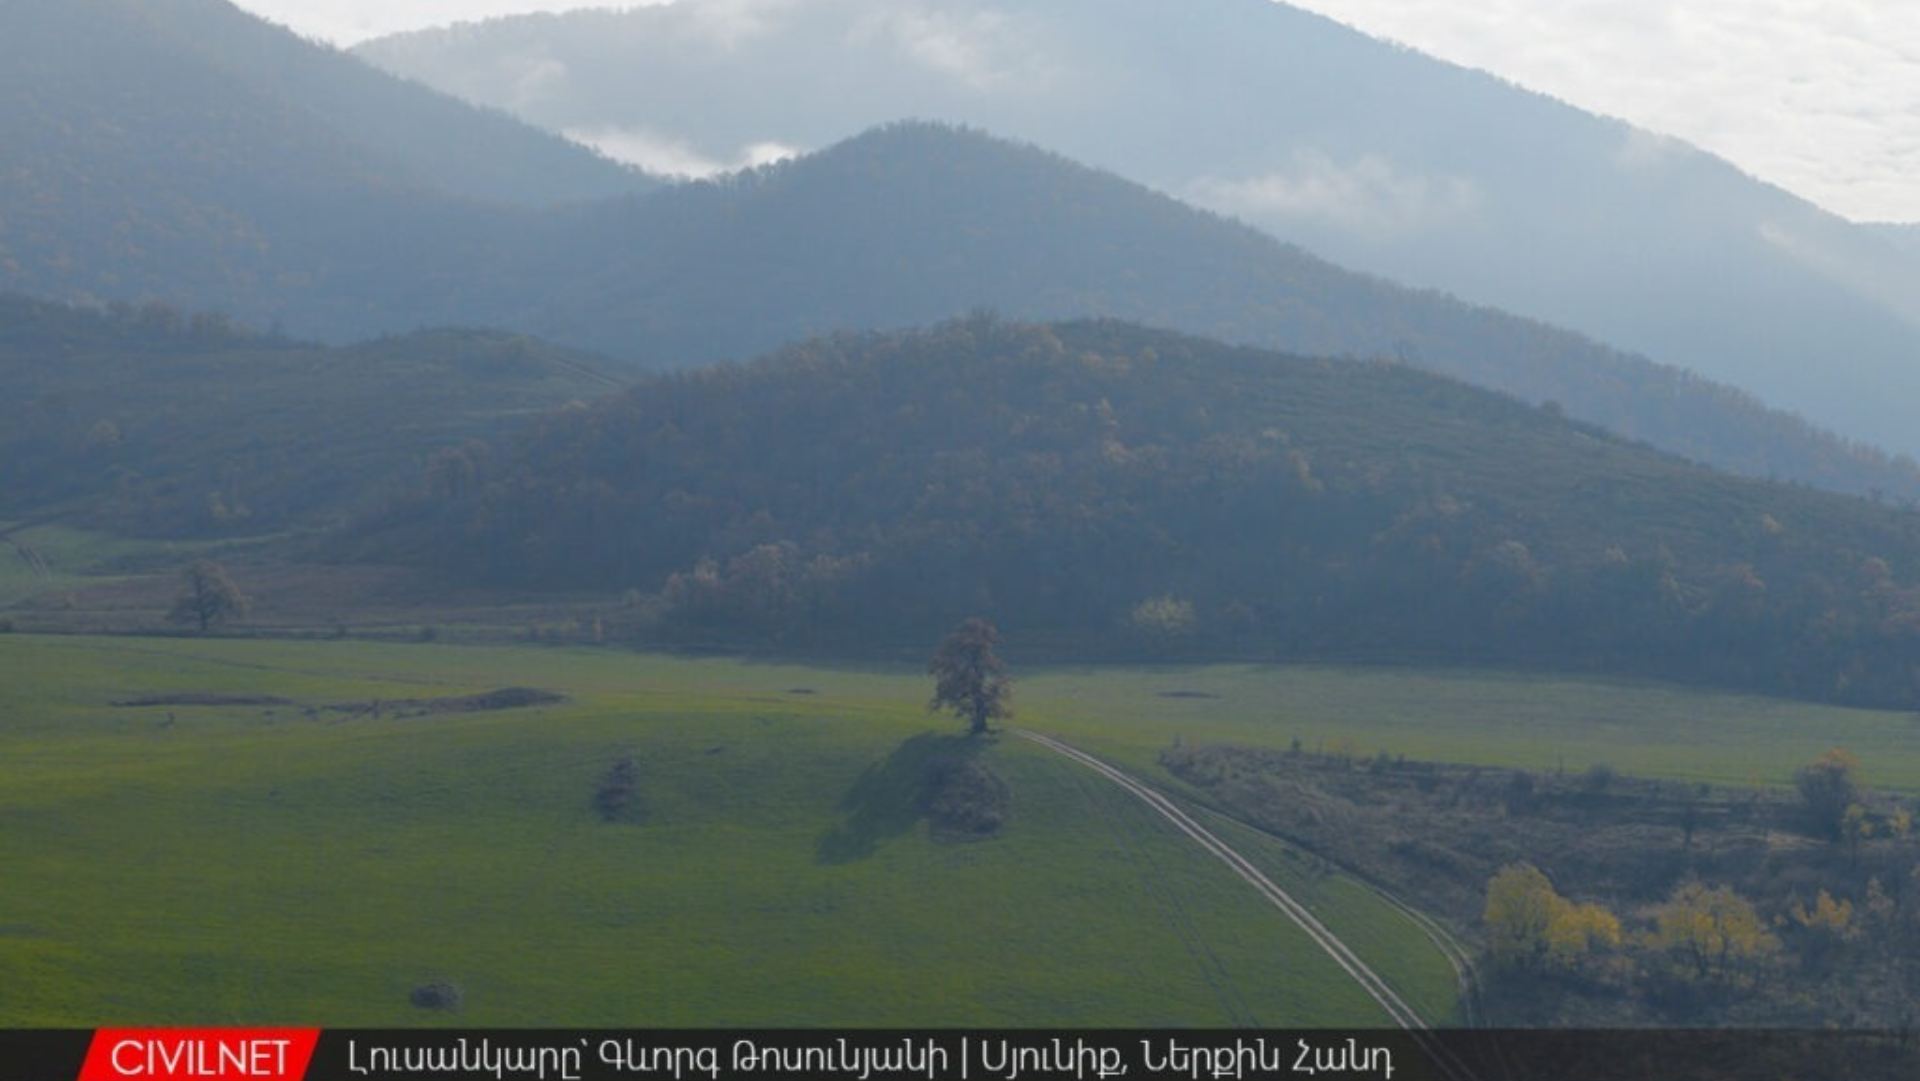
x=1372 y=155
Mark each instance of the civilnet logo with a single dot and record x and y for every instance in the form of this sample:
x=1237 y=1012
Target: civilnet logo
x=201 y=1054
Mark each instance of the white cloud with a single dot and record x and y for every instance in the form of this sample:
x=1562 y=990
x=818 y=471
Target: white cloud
x=983 y=49
x=664 y=155
x=1819 y=96
x=1643 y=151
x=1368 y=194
x=349 y=22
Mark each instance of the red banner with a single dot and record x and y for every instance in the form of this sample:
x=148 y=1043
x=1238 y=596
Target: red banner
x=199 y=1054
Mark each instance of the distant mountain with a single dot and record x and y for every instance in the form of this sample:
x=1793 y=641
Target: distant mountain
x=212 y=193
x=148 y=422
x=915 y=223
x=1903 y=234
x=1107 y=488
x=1368 y=153
x=185 y=151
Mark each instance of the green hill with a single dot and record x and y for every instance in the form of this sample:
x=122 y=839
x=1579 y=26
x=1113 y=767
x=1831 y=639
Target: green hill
x=147 y=422
x=915 y=223
x=1373 y=155
x=1115 y=489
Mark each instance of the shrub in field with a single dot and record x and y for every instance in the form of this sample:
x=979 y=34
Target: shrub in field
x=966 y=801
x=617 y=789
x=436 y=995
x=1829 y=787
x=1530 y=926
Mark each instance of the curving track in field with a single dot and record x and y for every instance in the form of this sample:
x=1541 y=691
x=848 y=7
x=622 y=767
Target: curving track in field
x=1376 y=988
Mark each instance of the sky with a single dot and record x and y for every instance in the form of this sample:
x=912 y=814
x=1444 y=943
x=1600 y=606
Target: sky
x=1821 y=97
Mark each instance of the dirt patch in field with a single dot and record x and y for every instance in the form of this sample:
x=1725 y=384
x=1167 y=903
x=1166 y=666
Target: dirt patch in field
x=486 y=701
x=202 y=698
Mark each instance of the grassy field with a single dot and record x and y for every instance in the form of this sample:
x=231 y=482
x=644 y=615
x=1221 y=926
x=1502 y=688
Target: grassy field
x=257 y=863
x=50 y=559
x=1538 y=722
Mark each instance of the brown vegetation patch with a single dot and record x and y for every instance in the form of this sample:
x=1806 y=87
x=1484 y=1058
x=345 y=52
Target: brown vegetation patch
x=503 y=698
x=1438 y=833
x=204 y=698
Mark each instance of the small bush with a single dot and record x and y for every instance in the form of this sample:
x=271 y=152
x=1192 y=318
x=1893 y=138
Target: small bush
x=617 y=789
x=437 y=995
x=1598 y=778
x=967 y=802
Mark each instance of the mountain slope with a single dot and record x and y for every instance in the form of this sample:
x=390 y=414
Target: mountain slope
x=181 y=150
x=1371 y=154
x=1117 y=488
x=436 y=141
x=915 y=223
x=148 y=423
x=171 y=177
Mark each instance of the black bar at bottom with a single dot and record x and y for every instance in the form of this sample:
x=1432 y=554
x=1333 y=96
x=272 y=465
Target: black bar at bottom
x=1109 y=1055
x=1059 y=1055
x=43 y=1054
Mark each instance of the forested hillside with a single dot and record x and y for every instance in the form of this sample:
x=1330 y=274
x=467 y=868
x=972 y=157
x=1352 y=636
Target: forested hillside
x=1125 y=490
x=182 y=150
x=915 y=223
x=179 y=150
x=148 y=422
x=1373 y=155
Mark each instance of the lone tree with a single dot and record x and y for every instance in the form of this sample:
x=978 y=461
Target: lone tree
x=1829 y=787
x=969 y=678
x=207 y=596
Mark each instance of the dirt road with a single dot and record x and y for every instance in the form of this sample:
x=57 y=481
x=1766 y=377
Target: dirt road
x=1350 y=962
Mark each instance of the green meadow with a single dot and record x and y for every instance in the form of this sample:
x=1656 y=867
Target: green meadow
x=256 y=863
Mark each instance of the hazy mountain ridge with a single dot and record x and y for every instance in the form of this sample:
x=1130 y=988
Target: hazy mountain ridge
x=914 y=223
x=159 y=170
x=185 y=151
x=1376 y=156
x=1109 y=485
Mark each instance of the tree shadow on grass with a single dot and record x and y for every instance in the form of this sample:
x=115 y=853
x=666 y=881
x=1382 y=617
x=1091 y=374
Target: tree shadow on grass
x=892 y=795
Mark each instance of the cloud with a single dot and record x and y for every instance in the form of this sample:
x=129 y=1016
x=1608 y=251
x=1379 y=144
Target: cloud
x=1368 y=194
x=1643 y=151
x=349 y=22
x=1819 y=96
x=665 y=155
x=1881 y=268
x=983 y=49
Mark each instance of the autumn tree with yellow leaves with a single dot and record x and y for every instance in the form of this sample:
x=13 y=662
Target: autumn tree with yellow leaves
x=1530 y=926
x=1711 y=934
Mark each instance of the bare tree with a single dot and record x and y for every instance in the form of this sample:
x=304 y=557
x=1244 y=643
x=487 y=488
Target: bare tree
x=208 y=596
x=969 y=678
